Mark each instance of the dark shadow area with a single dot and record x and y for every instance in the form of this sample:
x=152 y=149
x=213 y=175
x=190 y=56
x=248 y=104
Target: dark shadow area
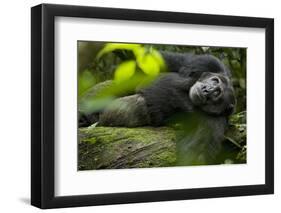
x=25 y=200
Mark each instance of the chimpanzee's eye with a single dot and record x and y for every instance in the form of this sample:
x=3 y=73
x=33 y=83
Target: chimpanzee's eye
x=215 y=80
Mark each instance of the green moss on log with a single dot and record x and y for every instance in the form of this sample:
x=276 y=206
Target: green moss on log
x=112 y=147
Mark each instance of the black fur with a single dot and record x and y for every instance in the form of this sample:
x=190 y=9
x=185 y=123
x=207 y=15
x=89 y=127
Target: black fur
x=166 y=96
x=189 y=65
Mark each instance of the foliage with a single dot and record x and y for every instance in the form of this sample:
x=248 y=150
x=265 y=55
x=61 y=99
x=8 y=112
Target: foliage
x=237 y=135
x=148 y=60
x=125 y=71
x=134 y=72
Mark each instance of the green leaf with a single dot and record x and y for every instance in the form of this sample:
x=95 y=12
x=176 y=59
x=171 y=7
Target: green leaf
x=125 y=71
x=149 y=65
x=139 y=53
x=115 y=46
x=149 y=60
x=158 y=57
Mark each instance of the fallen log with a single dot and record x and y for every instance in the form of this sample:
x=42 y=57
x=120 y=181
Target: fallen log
x=115 y=147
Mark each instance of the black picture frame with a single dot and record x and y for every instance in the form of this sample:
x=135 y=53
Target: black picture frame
x=43 y=117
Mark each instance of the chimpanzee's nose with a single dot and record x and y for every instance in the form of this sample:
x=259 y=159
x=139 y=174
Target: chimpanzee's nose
x=206 y=89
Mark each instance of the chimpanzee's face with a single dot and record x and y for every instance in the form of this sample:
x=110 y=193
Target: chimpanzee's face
x=213 y=94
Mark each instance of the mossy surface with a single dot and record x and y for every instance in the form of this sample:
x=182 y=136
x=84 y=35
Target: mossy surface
x=112 y=147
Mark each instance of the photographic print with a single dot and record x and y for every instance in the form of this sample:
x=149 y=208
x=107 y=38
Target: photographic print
x=154 y=100
x=158 y=105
